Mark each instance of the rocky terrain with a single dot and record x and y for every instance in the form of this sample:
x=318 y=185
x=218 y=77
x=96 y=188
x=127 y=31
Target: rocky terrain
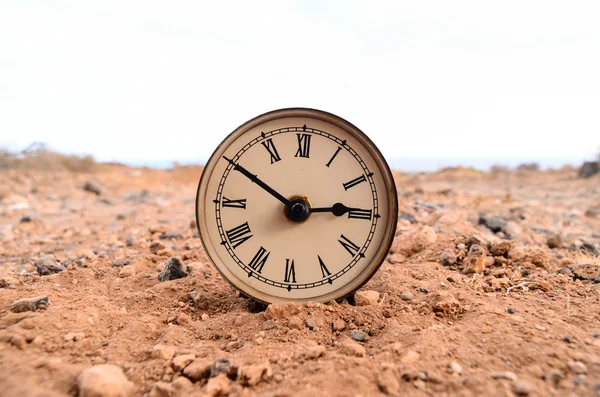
x=492 y=288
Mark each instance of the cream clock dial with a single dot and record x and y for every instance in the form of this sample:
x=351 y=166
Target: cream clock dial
x=296 y=205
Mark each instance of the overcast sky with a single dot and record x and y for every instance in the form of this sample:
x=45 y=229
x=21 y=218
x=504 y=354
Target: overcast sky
x=151 y=81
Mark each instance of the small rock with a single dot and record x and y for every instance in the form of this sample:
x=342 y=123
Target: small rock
x=295 y=322
x=358 y=335
x=170 y=236
x=501 y=248
x=351 y=348
x=269 y=324
x=310 y=324
x=504 y=375
x=29 y=304
x=164 y=352
x=338 y=325
x=218 y=386
x=92 y=187
x=591 y=248
x=278 y=311
x=511 y=310
x=578 y=367
x=251 y=375
x=156 y=247
x=182 y=361
x=585 y=271
x=126 y=271
x=366 y=298
x=475 y=260
x=554 y=241
x=522 y=387
x=445 y=304
x=456 y=368
x=121 y=262
x=220 y=366
x=46 y=269
x=161 y=389
x=448 y=257
x=494 y=223
x=314 y=352
x=104 y=381
x=406 y=296
x=173 y=270
x=199 y=369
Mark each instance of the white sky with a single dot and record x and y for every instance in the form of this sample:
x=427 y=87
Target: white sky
x=140 y=81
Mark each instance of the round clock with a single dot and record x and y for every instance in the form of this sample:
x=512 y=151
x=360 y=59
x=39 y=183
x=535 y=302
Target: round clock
x=296 y=205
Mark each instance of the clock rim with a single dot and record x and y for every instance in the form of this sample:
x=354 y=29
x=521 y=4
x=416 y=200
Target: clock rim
x=369 y=145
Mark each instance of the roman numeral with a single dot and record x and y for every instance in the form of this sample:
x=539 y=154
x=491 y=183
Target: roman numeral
x=290 y=272
x=348 y=245
x=303 y=145
x=324 y=271
x=241 y=203
x=339 y=149
x=354 y=182
x=239 y=234
x=270 y=146
x=360 y=214
x=259 y=260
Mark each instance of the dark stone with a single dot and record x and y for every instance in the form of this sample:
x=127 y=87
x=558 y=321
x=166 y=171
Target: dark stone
x=511 y=310
x=121 y=262
x=129 y=241
x=92 y=187
x=471 y=241
x=566 y=339
x=590 y=248
x=597 y=280
x=29 y=304
x=408 y=217
x=46 y=269
x=170 y=236
x=28 y=218
x=566 y=271
x=494 y=223
x=358 y=335
x=173 y=270
x=223 y=366
x=585 y=272
x=589 y=169
x=424 y=290
x=310 y=324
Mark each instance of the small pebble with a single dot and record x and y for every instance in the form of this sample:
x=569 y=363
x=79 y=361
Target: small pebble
x=522 y=387
x=578 y=367
x=173 y=270
x=310 y=324
x=407 y=296
x=358 y=335
x=456 y=368
x=29 y=304
x=504 y=375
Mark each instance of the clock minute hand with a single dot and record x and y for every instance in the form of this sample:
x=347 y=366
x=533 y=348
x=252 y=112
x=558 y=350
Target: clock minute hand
x=260 y=183
x=338 y=209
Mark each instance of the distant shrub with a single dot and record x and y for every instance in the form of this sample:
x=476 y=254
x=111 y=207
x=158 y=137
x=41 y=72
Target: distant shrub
x=528 y=167
x=38 y=157
x=499 y=168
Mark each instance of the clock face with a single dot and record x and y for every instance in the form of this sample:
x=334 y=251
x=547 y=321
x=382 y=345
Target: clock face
x=296 y=205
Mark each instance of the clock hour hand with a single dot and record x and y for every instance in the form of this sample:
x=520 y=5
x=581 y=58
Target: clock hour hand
x=260 y=183
x=338 y=209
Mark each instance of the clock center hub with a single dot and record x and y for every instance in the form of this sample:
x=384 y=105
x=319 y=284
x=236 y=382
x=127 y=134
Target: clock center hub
x=298 y=210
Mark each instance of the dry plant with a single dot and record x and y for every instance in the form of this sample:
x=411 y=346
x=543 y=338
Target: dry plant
x=37 y=157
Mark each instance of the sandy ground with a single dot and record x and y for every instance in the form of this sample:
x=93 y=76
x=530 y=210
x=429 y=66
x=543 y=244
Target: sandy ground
x=489 y=290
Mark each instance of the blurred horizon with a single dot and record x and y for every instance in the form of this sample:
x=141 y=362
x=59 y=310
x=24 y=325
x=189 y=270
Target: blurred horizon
x=438 y=83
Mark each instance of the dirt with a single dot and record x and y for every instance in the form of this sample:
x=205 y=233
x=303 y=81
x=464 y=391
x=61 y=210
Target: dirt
x=491 y=288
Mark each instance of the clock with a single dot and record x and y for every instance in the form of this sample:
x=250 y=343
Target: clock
x=296 y=205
